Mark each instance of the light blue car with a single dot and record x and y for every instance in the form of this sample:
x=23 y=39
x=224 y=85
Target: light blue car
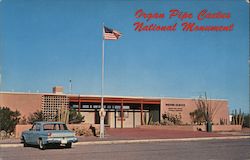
x=44 y=133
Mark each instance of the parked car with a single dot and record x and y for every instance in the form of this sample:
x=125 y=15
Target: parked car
x=45 y=133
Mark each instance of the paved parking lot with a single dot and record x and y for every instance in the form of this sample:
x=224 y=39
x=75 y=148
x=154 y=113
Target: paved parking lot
x=212 y=149
x=138 y=133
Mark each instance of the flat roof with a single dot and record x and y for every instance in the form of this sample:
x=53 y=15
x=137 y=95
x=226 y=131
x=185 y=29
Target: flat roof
x=36 y=93
x=106 y=96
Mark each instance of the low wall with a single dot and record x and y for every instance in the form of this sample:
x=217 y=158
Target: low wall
x=215 y=128
x=20 y=128
x=218 y=128
x=175 y=128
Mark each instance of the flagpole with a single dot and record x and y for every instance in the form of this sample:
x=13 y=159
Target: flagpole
x=114 y=36
x=102 y=115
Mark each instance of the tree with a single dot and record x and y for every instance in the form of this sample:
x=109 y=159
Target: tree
x=36 y=116
x=75 y=117
x=197 y=116
x=205 y=109
x=8 y=119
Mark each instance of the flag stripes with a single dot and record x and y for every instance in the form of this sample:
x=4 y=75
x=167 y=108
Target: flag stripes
x=110 y=34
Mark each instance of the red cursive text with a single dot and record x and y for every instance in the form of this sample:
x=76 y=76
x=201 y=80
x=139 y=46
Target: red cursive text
x=148 y=16
x=204 y=14
x=179 y=14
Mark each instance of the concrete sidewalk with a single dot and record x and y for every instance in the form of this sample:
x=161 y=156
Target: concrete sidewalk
x=137 y=135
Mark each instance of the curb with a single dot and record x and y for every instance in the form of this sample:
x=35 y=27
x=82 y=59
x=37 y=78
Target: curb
x=142 y=141
x=10 y=145
x=162 y=140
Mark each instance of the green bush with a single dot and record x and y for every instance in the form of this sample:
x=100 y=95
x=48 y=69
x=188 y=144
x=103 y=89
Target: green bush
x=171 y=119
x=75 y=117
x=36 y=116
x=8 y=119
x=197 y=116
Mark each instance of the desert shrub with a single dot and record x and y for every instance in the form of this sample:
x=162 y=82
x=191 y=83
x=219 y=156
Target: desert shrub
x=8 y=119
x=36 y=116
x=171 y=119
x=85 y=129
x=23 y=120
x=75 y=117
x=197 y=116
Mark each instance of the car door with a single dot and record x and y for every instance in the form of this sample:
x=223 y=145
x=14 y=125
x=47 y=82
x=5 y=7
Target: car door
x=36 y=133
x=29 y=135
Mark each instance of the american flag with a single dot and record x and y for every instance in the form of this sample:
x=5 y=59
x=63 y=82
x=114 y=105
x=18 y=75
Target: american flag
x=110 y=34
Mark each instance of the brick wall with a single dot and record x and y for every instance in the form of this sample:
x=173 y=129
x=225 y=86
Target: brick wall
x=215 y=128
x=24 y=103
x=183 y=107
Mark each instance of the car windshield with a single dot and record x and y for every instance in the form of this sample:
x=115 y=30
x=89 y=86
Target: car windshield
x=54 y=127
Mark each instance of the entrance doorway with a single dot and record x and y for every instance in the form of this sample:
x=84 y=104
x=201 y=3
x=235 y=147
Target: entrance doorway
x=97 y=117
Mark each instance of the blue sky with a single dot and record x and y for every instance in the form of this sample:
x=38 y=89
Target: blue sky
x=45 y=43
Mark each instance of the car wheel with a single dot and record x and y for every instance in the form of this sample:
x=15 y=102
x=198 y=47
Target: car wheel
x=41 y=145
x=68 y=145
x=24 y=142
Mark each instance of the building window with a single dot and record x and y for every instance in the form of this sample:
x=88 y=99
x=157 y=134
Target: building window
x=119 y=114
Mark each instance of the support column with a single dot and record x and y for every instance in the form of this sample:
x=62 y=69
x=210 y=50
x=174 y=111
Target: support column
x=122 y=114
x=141 y=113
x=79 y=104
x=115 y=118
x=133 y=118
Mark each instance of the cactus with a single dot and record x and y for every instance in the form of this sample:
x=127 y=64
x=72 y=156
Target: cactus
x=237 y=118
x=63 y=115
